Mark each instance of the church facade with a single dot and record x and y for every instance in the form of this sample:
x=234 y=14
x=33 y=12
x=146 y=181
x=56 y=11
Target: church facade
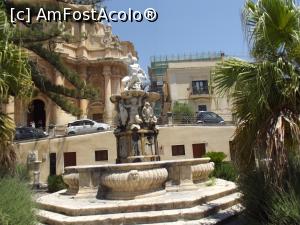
x=97 y=59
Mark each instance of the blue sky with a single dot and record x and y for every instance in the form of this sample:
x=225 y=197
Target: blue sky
x=183 y=27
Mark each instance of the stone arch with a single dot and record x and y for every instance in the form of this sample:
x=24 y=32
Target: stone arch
x=37 y=113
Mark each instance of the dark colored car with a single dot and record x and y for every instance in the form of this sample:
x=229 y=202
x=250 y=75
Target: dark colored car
x=209 y=118
x=26 y=133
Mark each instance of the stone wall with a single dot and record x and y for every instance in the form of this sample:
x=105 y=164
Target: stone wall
x=215 y=139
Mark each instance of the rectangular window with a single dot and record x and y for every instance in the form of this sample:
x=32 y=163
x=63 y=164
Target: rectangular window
x=69 y=159
x=200 y=87
x=199 y=150
x=101 y=155
x=178 y=150
x=202 y=108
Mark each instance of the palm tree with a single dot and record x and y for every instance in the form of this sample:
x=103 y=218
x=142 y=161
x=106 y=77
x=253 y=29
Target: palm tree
x=15 y=80
x=265 y=93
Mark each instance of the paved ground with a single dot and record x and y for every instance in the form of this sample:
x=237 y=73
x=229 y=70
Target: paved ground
x=39 y=193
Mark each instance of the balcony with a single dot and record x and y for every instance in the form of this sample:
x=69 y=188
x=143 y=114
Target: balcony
x=202 y=92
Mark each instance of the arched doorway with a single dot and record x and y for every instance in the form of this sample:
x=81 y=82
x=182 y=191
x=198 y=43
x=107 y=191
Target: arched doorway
x=37 y=114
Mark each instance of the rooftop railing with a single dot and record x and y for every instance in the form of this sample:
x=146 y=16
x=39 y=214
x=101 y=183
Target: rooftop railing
x=187 y=57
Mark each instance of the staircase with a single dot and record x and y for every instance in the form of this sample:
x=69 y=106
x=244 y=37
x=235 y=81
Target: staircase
x=207 y=205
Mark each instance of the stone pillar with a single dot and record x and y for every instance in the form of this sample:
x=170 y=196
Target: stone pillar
x=20 y=115
x=108 y=105
x=118 y=85
x=83 y=31
x=83 y=103
x=82 y=51
x=116 y=81
x=9 y=108
x=58 y=112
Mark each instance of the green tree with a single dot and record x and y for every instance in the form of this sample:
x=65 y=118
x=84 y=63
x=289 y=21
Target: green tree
x=265 y=93
x=15 y=80
x=182 y=112
x=41 y=38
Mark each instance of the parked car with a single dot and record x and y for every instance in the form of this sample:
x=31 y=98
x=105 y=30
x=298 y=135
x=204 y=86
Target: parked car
x=85 y=126
x=26 y=133
x=205 y=117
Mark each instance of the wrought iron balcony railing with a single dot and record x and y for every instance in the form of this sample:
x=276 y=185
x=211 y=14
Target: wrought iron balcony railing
x=200 y=91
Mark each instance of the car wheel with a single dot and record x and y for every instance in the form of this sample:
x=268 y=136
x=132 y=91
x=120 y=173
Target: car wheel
x=71 y=133
x=100 y=129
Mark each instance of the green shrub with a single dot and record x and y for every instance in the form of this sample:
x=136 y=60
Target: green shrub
x=183 y=113
x=22 y=173
x=256 y=196
x=267 y=205
x=226 y=171
x=16 y=204
x=285 y=208
x=56 y=183
x=216 y=157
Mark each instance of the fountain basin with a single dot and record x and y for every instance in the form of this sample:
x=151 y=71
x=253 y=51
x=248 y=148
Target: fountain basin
x=134 y=183
x=137 y=180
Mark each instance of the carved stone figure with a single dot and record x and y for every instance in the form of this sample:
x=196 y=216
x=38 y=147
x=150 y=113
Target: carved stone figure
x=137 y=78
x=123 y=143
x=123 y=113
x=135 y=144
x=149 y=145
x=148 y=114
x=134 y=109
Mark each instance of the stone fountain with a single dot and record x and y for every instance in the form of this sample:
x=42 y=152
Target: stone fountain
x=139 y=172
x=136 y=131
x=139 y=189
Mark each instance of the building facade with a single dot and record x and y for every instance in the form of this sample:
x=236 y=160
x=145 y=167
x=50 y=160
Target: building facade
x=187 y=79
x=97 y=59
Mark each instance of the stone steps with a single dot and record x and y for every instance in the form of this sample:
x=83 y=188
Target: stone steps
x=179 y=200
x=218 y=218
x=145 y=206
x=163 y=216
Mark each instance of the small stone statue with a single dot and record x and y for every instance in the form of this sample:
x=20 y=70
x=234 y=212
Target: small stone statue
x=123 y=113
x=134 y=109
x=135 y=144
x=148 y=114
x=137 y=78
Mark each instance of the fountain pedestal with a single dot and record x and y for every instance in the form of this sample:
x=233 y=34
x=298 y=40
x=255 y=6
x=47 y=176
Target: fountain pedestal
x=137 y=146
x=136 y=131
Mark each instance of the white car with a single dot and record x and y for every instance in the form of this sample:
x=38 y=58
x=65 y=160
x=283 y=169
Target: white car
x=85 y=126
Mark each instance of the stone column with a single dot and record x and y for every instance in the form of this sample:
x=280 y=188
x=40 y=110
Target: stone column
x=10 y=107
x=83 y=103
x=57 y=110
x=116 y=81
x=108 y=105
x=83 y=31
x=82 y=51
x=118 y=84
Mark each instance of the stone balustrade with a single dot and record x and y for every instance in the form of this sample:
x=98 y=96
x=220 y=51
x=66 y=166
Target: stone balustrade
x=136 y=180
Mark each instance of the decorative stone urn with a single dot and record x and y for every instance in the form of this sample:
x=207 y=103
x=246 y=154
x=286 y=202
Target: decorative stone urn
x=133 y=184
x=201 y=172
x=72 y=180
x=34 y=165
